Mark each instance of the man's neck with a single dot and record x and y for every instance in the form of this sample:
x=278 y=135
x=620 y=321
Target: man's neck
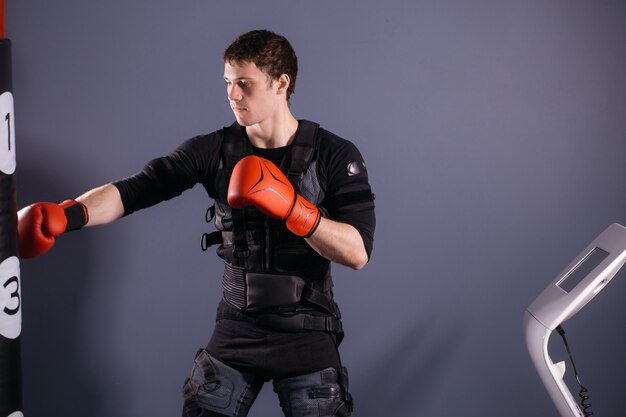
x=275 y=132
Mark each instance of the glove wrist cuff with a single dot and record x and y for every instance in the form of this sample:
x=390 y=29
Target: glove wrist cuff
x=303 y=218
x=76 y=214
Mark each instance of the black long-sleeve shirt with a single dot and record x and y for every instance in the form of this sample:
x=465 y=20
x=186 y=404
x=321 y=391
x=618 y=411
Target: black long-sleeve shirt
x=345 y=197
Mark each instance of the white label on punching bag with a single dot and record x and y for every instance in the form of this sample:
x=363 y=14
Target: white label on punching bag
x=10 y=299
x=7 y=134
x=16 y=414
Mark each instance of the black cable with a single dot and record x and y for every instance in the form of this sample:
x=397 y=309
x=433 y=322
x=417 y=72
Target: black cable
x=582 y=393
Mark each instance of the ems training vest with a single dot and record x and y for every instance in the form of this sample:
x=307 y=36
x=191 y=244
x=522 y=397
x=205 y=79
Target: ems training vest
x=270 y=271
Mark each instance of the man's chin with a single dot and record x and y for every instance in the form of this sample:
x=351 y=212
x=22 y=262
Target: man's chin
x=244 y=121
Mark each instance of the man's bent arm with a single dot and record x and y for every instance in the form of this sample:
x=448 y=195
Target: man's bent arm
x=339 y=242
x=104 y=204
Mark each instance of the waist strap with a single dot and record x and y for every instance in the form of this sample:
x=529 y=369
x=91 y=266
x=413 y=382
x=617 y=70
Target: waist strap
x=264 y=292
x=296 y=321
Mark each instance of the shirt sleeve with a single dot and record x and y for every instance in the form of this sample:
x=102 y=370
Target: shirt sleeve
x=349 y=198
x=168 y=176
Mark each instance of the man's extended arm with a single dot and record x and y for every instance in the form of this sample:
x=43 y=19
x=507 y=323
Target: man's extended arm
x=104 y=204
x=39 y=224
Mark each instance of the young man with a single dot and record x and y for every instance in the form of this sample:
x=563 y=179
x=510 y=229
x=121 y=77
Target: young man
x=290 y=197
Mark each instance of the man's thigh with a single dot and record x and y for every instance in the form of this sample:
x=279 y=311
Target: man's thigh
x=214 y=389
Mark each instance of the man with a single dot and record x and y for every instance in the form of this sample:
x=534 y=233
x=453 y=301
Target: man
x=290 y=197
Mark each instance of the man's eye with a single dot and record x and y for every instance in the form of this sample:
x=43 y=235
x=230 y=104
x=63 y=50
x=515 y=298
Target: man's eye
x=244 y=84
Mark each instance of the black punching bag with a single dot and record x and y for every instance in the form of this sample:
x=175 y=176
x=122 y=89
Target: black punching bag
x=10 y=290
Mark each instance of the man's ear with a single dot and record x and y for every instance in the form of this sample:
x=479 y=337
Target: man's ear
x=283 y=83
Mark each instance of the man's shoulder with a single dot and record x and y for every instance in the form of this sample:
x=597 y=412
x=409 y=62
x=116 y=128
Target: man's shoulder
x=214 y=138
x=332 y=144
x=205 y=147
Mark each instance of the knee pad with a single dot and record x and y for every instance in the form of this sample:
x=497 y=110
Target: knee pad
x=323 y=394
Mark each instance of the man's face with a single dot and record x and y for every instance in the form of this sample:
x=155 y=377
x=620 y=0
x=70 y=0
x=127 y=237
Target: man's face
x=252 y=94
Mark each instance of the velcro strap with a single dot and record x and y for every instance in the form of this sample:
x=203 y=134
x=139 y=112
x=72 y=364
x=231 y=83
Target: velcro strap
x=357 y=200
x=205 y=365
x=325 y=392
x=190 y=388
x=210 y=239
x=301 y=321
x=210 y=214
x=320 y=299
x=328 y=376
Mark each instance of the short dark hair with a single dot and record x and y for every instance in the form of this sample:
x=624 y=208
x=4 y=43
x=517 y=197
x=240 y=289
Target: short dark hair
x=270 y=52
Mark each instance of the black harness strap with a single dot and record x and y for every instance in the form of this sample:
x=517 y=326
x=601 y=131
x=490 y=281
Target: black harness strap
x=233 y=149
x=302 y=152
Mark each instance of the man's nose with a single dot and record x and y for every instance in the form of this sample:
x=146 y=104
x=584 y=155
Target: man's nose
x=234 y=93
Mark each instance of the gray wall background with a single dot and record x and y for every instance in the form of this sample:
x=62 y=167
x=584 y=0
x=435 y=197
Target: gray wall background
x=494 y=133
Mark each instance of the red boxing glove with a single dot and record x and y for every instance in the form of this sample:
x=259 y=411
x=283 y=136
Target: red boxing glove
x=39 y=224
x=258 y=182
